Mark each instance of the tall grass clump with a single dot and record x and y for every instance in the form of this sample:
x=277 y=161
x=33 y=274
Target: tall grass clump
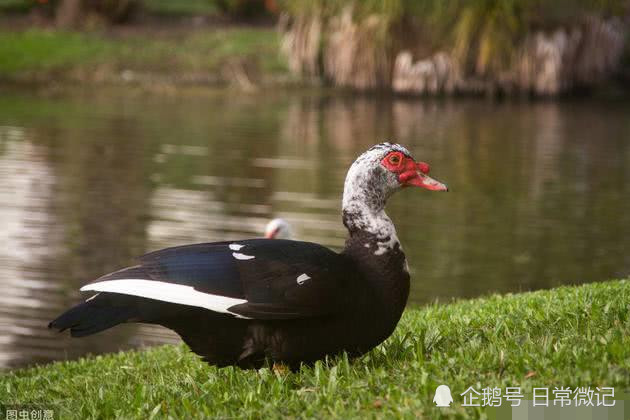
x=486 y=39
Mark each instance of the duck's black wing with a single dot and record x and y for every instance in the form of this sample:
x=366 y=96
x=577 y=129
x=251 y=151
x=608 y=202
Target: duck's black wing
x=257 y=278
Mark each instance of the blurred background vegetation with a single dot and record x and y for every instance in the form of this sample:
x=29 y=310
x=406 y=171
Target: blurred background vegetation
x=121 y=11
x=420 y=47
x=488 y=27
x=434 y=46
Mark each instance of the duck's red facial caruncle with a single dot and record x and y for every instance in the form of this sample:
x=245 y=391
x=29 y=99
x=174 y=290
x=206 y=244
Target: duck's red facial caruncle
x=411 y=173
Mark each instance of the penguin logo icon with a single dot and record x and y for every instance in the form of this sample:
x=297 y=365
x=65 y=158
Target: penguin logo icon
x=443 y=396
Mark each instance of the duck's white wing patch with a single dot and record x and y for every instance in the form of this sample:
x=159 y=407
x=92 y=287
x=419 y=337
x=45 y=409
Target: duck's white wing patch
x=302 y=278
x=167 y=292
x=240 y=256
x=236 y=247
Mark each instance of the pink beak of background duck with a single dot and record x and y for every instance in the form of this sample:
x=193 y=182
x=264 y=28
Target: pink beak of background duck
x=270 y=234
x=415 y=174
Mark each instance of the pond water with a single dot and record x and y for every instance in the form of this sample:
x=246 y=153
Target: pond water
x=539 y=192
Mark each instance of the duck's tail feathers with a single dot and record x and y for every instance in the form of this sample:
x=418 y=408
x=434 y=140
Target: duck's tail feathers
x=100 y=312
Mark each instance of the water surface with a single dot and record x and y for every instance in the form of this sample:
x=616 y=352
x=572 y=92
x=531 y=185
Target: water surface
x=539 y=192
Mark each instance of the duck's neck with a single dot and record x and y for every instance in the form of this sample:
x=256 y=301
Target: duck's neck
x=365 y=218
x=380 y=261
x=374 y=231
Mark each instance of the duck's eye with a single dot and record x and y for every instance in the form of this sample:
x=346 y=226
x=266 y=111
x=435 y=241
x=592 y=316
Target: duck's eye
x=394 y=159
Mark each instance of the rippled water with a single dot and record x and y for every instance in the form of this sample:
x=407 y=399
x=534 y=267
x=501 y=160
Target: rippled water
x=539 y=192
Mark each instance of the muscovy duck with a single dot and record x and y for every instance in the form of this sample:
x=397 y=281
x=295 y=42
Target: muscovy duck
x=278 y=228
x=243 y=302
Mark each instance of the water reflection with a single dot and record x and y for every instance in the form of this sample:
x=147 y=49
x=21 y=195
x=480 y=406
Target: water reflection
x=27 y=231
x=90 y=181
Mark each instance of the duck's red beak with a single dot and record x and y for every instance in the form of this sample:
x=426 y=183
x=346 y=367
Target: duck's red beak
x=415 y=175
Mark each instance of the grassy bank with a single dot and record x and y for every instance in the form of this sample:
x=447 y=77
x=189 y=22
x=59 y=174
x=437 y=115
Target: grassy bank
x=570 y=336
x=233 y=54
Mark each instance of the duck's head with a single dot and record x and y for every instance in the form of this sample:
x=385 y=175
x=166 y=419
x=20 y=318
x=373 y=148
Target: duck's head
x=278 y=229
x=382 y=170
x=371 y=180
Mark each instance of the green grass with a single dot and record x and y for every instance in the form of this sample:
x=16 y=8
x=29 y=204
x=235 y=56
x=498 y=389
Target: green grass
x=570 y=336
x=55 y=55
x=37 y=51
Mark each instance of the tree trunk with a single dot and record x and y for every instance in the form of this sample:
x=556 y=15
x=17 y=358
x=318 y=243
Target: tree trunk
x=68 y=13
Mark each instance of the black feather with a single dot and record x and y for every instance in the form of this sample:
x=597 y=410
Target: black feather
x=93 y=316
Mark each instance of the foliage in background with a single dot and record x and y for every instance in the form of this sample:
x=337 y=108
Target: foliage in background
x=180 y=8
x=246 y=8
x=566 y=337
x=16 y=6
x=482 y=33
x=124 y=10
x=112 y=11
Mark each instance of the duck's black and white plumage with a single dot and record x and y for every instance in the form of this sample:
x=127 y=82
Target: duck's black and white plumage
x=241 y=302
